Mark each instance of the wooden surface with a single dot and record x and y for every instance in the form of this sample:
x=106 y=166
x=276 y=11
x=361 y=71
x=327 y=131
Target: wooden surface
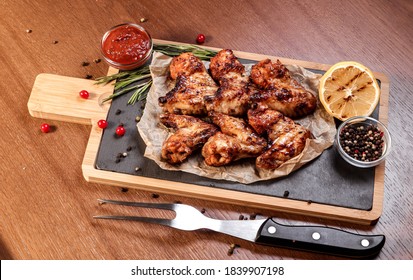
x=52 y=98
x=47 y=206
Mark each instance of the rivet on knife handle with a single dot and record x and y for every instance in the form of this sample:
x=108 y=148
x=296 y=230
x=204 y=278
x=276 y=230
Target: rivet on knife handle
x=320 y=239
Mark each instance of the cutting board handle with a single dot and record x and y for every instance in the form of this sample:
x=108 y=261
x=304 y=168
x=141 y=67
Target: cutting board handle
x=57 y=97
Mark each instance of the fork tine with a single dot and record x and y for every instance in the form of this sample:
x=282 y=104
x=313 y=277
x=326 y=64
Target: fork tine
x=166 y=206
x=186 y=218
x=165 y=222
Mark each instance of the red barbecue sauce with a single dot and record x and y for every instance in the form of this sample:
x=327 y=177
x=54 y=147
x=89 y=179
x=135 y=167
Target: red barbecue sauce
x=127 y=46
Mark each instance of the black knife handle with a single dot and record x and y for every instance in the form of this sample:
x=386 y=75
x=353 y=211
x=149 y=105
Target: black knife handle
x=320 y=239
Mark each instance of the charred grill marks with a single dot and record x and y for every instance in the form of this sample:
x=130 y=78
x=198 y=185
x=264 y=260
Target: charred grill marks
x=279 y=91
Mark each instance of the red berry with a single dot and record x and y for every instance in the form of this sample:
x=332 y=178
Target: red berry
x=45 y=128
x=102 y=124
x=84 y=94
x=200 y=39
x=120 y=130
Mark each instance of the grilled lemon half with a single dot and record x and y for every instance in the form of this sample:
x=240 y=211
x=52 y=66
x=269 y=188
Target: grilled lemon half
x=349 y=89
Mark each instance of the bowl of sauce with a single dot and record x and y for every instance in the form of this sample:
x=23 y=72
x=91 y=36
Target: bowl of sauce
x=126 y=46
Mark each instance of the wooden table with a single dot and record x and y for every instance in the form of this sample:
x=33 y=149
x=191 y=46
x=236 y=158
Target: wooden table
x=47 y=206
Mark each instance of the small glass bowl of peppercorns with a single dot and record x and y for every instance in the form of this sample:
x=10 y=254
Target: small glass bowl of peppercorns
x=363 y=141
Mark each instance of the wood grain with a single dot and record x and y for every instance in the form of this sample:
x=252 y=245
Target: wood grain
x=46 y=203
x=52 y=98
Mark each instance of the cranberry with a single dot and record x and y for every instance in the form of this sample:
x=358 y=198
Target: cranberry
x=200 y=39
x=45 y=128
x=120 y=130
x=84 y=94
x=102 y=124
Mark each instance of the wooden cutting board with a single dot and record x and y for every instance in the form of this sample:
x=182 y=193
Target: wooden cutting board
x=56 y=97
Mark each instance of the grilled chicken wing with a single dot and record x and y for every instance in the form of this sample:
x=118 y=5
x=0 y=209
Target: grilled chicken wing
x=190 y=134
x=232 y=97
x=279 y=91
x=192 y=83
x=287 y=139
x=185 y=64
x=235 y=141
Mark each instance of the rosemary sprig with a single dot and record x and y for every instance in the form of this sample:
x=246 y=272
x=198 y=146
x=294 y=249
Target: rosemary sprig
x=131 y=79
x=174 y=50
x=120 y=92
x=125 y=78
x=140 y=93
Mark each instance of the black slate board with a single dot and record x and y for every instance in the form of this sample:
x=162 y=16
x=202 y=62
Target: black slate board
x=326 y=180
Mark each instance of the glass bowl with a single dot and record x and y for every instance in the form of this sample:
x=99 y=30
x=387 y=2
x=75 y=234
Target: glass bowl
x=363 y=141
x=126 y=46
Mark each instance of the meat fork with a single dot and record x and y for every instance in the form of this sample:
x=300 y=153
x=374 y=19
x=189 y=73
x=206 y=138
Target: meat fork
x=266 y=231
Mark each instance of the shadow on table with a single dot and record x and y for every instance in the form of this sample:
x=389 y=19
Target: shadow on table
x=4 y=251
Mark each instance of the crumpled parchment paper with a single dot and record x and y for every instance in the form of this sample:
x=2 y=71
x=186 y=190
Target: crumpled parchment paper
x=320 y=124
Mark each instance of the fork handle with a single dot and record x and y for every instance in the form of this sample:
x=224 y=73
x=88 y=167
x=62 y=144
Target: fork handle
x=320 y=239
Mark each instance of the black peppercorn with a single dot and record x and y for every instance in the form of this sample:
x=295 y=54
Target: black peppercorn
x=232 y=248
x=362 y=142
